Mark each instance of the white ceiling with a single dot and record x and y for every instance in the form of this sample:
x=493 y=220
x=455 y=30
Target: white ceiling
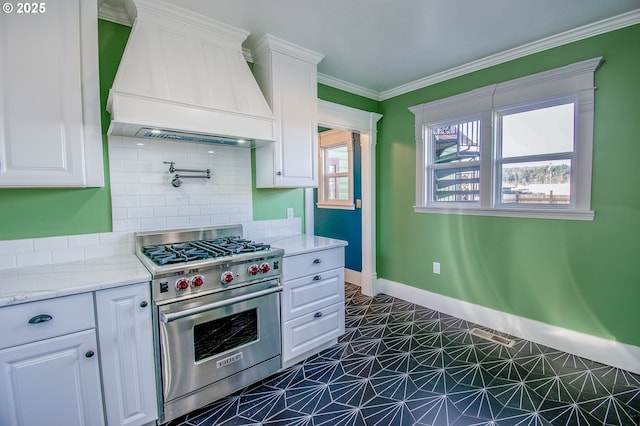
x=379 y=45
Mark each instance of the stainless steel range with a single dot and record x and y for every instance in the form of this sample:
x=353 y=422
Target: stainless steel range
x=216 y=313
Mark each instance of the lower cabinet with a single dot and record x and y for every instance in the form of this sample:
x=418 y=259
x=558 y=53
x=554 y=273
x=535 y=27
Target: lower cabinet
x=59 y=367
x=126 y=349
x=53 y=375
x=312 y=305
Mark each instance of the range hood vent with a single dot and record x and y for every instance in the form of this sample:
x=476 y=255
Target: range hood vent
x=193 y=137
x=184 y=77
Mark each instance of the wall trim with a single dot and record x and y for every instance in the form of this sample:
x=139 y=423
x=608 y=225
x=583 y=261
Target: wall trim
x=353 y=277
x=576 y=34
x=342 y=117
x=615 y=354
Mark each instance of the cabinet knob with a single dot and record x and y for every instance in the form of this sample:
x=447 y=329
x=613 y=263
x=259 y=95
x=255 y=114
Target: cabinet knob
x=279 y=173
x=40 y=319
x=89 y=354
x=144 y=304
x=317 y=278
x=317 y=261
x=317 y=315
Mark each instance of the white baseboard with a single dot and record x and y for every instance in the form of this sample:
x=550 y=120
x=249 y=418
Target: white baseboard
x=609 y=352
x=352 y=277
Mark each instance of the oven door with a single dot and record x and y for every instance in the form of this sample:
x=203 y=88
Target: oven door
x=208 y=338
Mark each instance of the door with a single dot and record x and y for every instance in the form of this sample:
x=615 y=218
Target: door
x=53 y=381
x=209 y=338
x=335 y=219
x=126 y=347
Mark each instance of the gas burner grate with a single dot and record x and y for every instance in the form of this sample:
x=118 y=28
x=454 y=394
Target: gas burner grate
x=200 y=250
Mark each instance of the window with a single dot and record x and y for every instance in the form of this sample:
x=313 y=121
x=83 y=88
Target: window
x=520 y=148
x=335 y=188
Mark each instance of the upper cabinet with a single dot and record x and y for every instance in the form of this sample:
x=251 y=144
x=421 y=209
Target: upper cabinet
x=50 y=133
x=288 y=77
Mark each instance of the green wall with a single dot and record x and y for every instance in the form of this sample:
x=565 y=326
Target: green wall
x=582 y=276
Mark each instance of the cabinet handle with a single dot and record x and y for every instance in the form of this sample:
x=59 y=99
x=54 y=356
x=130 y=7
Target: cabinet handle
x=317 y=278
x=89 y=354
x=40 y=318
x=144 y=304
x=317 y=261
x=317 y=315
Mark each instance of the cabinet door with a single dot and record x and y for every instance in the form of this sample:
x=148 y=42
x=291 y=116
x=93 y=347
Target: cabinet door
x=126 y=348
x=298 y=113
x=53 y=381
x=290 y=86
x=48 y=94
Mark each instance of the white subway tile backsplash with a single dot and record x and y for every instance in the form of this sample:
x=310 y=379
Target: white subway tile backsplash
x=143 y=199
x=16 y=246
x=83 y=240
x=99 y=251
x=7 y=261
x=177 y=222
x=51 y=243
x=33 y=258
x=67 y=255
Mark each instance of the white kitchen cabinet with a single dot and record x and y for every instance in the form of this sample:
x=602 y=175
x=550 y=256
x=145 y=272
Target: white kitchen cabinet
x=312 y=303
x=50 y=133
x=127 y=356
x=288 y=77
x=49 y=367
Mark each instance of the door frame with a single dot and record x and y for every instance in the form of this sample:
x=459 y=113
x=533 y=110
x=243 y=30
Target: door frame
x=336 y=116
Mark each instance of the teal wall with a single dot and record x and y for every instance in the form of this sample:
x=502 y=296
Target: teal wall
x=578 y=275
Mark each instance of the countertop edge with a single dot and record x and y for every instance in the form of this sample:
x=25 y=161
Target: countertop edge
x=301 y=244
x=35 y=283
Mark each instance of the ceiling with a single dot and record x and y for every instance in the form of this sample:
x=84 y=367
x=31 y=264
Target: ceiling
x=377 y=46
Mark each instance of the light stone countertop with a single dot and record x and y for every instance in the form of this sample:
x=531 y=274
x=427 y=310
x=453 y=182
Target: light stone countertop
x=31 y=283
x=301 y=244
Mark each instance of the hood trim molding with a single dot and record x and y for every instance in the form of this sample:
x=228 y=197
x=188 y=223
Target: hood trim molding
x=186 y=73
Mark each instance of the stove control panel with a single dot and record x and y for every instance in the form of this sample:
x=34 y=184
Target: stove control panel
x=214 y=278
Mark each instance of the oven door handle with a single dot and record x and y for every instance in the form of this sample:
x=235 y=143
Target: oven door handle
x=166 y=318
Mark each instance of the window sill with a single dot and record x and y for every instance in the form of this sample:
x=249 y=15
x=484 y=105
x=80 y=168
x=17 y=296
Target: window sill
x=336 y=206
x=529 y=213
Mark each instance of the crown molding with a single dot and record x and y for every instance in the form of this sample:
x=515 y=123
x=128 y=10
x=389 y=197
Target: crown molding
x=108 y=11
x=580 y=33
x=348 y=87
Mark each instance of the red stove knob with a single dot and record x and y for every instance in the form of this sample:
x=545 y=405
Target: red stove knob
x=226 y=277
x=253 y=269
x=265 y=267
x=197 y=281
x=182 y=284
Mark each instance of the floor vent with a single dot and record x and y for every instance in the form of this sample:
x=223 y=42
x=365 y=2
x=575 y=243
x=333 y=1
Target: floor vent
x=492 y=337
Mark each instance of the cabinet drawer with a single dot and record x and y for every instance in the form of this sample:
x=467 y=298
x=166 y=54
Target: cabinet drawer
x=311 y=293
x=309 y=331
x=311 y=263
x=67 y=315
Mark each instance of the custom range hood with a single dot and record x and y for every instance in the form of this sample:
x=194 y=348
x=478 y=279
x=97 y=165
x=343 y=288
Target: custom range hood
x=184 y=77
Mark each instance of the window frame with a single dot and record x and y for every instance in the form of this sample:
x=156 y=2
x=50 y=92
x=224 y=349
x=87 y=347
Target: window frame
x=572 y=83
x=327 y=140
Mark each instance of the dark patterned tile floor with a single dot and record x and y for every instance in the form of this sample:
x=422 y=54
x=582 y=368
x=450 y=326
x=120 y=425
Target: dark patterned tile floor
x=402 y=364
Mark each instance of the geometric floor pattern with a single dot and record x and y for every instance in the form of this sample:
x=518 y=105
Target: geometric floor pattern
x=402 y=364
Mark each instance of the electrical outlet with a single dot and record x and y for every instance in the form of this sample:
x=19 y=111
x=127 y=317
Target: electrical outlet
x=289 y=213
x=436 y=267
